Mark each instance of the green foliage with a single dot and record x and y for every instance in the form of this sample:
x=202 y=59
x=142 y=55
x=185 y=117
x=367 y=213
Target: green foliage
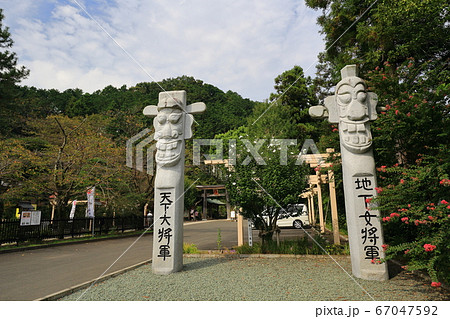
x=10 y=75
x=411 y=135
x=255 y=185
x=190 y=194
x=300 y=246
x=414 y=203
x=246 y=249
x=411 y=138
x=294 y=90
x=190 y=249
x=287 y=114
x=64 y=156
x=390 y=30
x=274 y=179
x=417 y=112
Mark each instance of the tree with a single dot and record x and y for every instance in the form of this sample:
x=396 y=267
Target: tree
x=272 y=181
x=10 y=75
x=286 y=116
x=294 y=89
x=70 y=155
x=414 y=200
x=411 y=147
x=370 y=33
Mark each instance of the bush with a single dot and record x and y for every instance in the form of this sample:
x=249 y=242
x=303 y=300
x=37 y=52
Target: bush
x=301 y=246
x=417 y=215
x=190 y=249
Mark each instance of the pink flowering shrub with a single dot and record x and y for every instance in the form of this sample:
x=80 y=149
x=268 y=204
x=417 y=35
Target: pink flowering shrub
x=412 y=154
x=429 y=247
x=413 y=158
x=419 y=228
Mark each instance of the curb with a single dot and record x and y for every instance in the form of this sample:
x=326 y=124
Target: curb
x=13 y=250
x=62 y=293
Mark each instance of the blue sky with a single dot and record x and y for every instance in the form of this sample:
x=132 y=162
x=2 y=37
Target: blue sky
x=235 y=45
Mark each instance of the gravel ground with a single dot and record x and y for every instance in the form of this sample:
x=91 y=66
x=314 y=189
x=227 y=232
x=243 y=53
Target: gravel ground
x=237 y=279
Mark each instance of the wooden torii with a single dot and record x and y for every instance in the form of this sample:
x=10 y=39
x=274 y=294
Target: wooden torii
x=315 y=181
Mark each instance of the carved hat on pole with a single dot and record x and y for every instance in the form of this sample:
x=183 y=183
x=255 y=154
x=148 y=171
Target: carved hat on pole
x=352 y=107
x=173 y=123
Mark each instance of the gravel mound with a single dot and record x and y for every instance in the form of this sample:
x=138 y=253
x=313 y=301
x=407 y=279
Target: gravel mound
x=316 y=278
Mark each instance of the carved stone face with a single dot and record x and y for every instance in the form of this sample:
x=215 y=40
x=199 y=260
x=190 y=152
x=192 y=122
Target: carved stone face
x=168 y=134
x=353 y=103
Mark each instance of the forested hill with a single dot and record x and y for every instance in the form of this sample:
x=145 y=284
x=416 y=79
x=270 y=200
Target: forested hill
x=225 y=111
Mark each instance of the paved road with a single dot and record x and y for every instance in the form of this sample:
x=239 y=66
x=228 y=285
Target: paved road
x=33 y=274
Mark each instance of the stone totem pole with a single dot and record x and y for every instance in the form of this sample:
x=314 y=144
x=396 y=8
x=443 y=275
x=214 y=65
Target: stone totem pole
x=173 y=125
x=352 y=107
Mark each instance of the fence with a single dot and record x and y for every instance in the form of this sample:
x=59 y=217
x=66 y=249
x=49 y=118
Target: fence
x=12 y=232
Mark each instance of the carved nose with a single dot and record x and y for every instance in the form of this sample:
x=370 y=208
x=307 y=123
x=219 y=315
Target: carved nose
x=356 y=111
x=166 y=131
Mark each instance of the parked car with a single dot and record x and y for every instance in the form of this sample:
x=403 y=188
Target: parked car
x=294 y=215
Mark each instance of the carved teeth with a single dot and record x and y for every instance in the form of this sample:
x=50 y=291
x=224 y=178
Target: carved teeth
x=361 y=128
x=351 y=127
x=166 y=146
x=355 y=139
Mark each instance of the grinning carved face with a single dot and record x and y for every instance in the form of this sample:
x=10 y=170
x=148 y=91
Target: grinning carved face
x=168 y=134
x=354 y=104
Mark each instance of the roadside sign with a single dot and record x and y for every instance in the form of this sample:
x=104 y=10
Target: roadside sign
x=250 y=232
x=30 y=218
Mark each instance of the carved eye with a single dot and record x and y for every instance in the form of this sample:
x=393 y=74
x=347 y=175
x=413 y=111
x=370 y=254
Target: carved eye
x=361 y=96
x=162 y=119
x=174 y=117
x=345 y=98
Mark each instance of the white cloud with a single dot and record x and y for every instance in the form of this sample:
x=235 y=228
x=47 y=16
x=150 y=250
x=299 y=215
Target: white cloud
x=234 y=45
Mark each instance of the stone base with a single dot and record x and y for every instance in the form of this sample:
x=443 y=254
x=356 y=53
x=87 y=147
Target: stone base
x=376 y=276
x=166 y=271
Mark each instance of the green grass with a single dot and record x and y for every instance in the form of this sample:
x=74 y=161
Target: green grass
x=190 y=249
x=295 y=247
x=342 y=229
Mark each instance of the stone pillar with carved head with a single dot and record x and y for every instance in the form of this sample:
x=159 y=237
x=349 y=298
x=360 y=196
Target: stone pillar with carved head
x=352 y=108
x=173 y=124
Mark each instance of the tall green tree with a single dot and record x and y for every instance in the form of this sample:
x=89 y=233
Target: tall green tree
x=369 y=33
x=10 y=75
x=286 y=116
x=269 y=178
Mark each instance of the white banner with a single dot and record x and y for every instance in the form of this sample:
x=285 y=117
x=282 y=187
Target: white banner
x=72 y=211
x=90 y=203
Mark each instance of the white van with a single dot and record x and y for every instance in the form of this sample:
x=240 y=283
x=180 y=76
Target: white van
x=294 y=215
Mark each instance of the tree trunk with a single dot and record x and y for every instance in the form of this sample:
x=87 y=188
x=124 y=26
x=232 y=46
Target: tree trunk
x=60 y=221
